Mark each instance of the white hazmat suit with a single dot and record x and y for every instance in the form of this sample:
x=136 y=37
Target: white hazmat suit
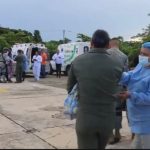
x=37 y=59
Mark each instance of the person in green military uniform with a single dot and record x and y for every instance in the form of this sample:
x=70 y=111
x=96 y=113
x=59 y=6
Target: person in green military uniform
x=19 y=66
x=114 y=50
x=97 y=74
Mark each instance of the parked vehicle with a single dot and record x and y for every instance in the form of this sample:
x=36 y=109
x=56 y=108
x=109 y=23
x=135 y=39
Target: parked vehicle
x=29 y=50
x=70 y=52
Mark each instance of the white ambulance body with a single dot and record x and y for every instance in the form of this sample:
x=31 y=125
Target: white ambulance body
x=70 y=52
x=29 y=50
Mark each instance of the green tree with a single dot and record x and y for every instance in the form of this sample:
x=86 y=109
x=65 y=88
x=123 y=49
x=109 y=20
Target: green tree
x=66 y=40
x=10 y=37
x=3 y=43
x=145 y=35
x=131 y=49
x=83 y=38
x=52 y=45
x=120 y=38
x=37 y=36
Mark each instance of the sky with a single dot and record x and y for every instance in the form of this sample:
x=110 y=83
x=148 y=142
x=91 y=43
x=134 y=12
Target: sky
x=118 y=17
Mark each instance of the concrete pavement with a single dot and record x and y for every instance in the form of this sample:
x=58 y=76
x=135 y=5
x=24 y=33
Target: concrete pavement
x=31 y=116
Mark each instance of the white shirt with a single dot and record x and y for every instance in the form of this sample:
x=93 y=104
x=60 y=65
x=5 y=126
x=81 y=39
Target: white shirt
x=38 y=60
x=58 y=58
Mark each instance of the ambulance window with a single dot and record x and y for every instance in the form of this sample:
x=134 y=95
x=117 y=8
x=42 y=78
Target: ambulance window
x=34 y=49
x=85 y=49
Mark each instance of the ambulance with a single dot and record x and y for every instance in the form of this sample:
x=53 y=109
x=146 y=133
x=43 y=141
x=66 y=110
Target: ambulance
x=29 y=50
x=70 y=52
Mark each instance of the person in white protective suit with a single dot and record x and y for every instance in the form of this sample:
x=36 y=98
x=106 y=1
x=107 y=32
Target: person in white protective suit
x=37 y=59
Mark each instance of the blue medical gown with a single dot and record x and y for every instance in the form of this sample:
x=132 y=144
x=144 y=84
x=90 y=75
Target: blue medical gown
x=138 y=105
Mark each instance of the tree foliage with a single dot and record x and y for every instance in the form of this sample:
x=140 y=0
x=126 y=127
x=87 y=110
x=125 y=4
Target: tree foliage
x=53 y=45
x=3 y=43
x=9 y=37
x=37 y=36
x=83 y=37
x=131 y=49
x=66 y=40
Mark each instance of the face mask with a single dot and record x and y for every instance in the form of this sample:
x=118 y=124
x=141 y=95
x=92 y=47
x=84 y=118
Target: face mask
x=143 y=60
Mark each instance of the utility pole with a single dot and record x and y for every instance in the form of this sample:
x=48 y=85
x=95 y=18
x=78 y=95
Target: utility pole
x=64 y=31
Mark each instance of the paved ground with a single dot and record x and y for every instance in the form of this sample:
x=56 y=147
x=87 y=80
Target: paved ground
x=31 y=116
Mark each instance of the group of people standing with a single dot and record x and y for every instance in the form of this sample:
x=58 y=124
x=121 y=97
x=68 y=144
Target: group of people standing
x=7 y=69
x=39 y=65
x=104 y=81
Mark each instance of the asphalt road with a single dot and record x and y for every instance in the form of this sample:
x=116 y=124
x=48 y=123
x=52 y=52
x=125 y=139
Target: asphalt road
x=51 y=80
x=31 y=115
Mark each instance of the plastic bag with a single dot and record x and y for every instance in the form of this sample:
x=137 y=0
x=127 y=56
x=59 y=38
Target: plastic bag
x=71 y=103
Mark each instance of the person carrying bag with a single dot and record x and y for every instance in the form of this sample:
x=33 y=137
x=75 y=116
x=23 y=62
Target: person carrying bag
x=71 y=103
